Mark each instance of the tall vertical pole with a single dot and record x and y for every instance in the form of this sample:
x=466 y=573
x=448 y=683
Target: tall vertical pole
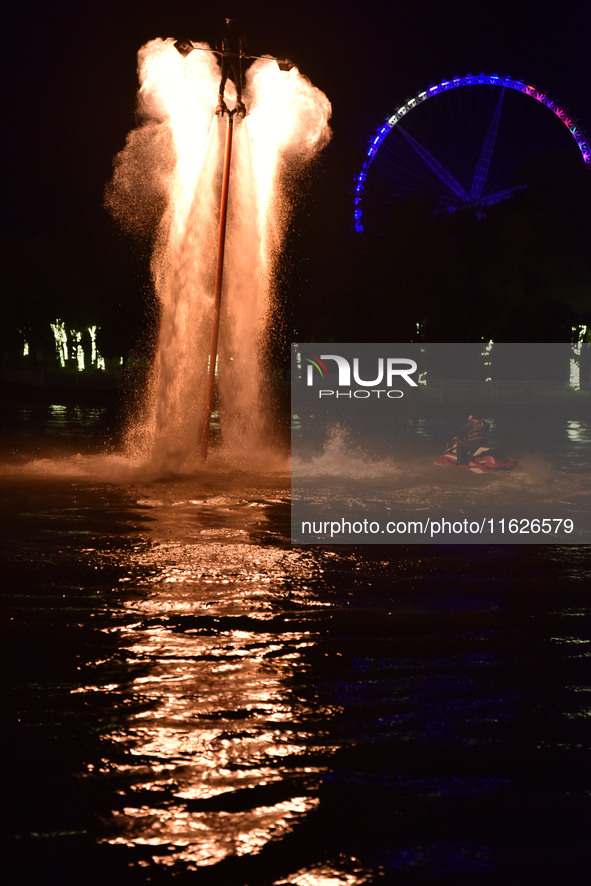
x=217 y=302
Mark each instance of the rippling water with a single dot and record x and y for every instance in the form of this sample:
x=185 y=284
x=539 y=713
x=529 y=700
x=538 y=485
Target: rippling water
x=190 y=698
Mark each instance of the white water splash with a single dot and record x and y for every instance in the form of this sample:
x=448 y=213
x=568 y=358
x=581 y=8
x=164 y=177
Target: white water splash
x=343 y=459
x=170 y=173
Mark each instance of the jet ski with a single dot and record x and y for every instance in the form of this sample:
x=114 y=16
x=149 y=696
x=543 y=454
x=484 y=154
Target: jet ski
x=484 y=460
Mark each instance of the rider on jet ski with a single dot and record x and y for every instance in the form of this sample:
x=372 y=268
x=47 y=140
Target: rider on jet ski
x=471 y=436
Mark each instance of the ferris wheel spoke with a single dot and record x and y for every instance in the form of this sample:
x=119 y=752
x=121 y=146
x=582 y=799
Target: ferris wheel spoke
x=499 y=196
x=434 y=164
x=488 y=146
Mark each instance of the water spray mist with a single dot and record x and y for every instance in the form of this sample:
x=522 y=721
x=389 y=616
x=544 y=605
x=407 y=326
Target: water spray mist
x=170 y=173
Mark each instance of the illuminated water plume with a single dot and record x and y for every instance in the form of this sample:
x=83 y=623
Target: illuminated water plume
x=167 y=181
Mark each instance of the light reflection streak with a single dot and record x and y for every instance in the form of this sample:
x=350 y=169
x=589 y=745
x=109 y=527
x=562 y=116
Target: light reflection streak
x=238 y=834
x=216 y=753
x=323 y=875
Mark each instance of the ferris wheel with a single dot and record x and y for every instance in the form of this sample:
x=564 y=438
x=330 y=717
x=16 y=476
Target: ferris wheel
x=464 y=147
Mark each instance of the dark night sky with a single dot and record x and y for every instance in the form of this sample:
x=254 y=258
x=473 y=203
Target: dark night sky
x=69 y=80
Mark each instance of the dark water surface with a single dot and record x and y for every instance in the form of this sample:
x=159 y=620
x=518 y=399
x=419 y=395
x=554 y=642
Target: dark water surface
x=191 y=699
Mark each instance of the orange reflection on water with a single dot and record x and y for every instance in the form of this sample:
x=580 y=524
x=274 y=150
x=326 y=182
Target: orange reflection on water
x=207 y=838
x=324 y=875
x=216 y=754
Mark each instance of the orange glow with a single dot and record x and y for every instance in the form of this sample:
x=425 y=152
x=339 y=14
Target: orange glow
x=176 y=157
x=212 y=712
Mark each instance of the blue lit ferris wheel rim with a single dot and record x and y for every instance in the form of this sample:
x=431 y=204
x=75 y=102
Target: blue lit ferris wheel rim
x=445 y=86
